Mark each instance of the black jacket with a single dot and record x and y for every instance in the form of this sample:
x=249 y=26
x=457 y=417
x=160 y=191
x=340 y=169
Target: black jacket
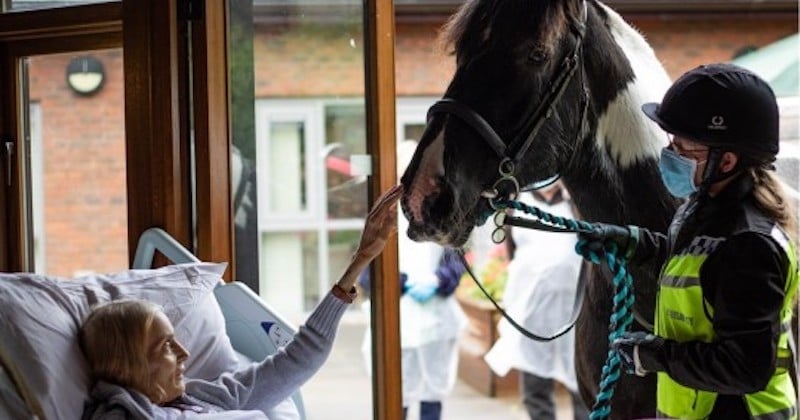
x=743 y=280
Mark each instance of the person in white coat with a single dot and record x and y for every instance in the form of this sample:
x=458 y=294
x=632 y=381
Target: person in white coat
x=539 y=295
x=430 y=318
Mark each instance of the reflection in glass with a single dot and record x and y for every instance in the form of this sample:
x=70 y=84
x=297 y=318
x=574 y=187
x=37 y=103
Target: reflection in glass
x=344 y=136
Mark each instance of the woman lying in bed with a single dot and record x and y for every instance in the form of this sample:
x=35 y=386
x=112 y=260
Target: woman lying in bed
x=138 y=364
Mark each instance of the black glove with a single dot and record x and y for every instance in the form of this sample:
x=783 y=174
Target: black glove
x=639 y=352
x=598 y=238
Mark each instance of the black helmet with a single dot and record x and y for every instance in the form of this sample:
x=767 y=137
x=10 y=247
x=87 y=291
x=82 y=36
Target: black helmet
x=721 y=105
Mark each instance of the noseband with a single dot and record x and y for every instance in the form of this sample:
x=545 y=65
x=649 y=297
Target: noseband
x=511 y=154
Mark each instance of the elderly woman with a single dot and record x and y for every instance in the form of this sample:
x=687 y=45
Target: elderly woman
x=138 y=364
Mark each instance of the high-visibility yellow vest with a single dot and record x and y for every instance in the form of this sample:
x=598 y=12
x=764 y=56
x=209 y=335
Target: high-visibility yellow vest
x=680 y=316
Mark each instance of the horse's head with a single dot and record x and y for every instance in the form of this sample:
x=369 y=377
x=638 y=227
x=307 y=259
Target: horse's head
x=517 y=92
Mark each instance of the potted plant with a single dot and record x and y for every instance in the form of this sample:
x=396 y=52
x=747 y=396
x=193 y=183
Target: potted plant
x=482 y=316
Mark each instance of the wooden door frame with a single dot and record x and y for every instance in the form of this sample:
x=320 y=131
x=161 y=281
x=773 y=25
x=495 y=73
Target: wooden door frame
x=156 y=120
x=379 y=40
x=211 y=94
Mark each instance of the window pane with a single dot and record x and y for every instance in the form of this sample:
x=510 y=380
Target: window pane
x=76 y=163
x=344 y=137
x=290 y=271
x=285 y=168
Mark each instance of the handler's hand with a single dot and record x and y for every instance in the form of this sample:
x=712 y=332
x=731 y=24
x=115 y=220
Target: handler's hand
x=594 y=242
x=638 y=352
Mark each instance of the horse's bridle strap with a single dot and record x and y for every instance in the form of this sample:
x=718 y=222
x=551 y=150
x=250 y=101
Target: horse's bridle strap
x=519 y=146
x=467 y=115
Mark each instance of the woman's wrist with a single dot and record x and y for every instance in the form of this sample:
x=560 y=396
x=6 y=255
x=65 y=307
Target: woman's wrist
x=344 y=295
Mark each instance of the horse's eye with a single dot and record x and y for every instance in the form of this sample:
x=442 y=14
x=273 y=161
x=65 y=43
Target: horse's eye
x=537 y=54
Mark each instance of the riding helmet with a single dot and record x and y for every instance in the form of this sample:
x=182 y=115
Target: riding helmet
x=724 y=106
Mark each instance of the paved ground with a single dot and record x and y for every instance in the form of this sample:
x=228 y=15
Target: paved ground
x=341 y=391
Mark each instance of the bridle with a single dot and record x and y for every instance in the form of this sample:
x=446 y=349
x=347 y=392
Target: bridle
x=511 y=154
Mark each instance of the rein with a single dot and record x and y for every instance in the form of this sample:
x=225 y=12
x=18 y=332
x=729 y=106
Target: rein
x=622 y=315
x=541 y=221
x=544 y=221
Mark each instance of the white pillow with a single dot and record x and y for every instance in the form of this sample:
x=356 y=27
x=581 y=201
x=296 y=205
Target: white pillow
x=202 y=332
x=40 y=317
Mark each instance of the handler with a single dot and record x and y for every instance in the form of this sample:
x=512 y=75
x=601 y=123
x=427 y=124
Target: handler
x=729 y=273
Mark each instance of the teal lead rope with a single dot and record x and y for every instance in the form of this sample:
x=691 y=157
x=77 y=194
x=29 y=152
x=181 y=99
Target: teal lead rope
x=622 y=311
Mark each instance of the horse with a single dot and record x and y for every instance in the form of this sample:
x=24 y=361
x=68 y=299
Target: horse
x=545 y=89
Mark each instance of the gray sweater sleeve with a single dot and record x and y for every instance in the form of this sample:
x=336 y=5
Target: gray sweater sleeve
x=262 y=385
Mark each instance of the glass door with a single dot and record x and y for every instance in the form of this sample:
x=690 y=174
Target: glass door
x=299 y=119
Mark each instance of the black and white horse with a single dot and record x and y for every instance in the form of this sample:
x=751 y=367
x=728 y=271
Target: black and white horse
x=548 y=88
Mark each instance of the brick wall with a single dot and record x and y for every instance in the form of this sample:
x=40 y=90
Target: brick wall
x=683 y=45
x=312 y=63
x=83 y=160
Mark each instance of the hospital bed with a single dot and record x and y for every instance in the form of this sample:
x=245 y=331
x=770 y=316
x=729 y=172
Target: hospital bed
x=254 y=328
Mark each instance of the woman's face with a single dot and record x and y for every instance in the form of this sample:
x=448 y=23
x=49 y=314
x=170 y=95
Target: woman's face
x=166 y=356
x=692 y=150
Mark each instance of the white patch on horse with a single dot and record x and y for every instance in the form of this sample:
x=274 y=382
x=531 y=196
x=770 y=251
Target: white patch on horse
x=624 y=130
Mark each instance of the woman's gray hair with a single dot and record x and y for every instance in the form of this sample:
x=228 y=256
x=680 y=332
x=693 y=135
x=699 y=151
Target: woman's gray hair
x=113 y=338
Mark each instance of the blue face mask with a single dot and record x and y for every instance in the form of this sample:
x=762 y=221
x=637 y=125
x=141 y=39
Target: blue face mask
x=677 y=172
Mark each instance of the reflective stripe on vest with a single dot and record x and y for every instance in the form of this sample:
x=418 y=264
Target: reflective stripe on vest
x=681 y=315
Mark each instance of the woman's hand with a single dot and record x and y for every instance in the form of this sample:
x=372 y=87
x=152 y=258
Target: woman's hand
x=381 y=223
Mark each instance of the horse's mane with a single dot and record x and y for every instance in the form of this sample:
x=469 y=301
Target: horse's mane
x=477 y=21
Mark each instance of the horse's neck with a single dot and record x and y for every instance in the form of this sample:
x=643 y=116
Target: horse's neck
x=615 y=177
x=635 y=197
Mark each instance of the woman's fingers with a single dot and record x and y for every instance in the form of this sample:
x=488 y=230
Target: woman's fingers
x=381 y=221
x=388 y=199
x=384 y=211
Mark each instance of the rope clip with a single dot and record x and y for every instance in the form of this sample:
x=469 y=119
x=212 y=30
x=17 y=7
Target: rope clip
x=506 y=170
x=499 y=234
